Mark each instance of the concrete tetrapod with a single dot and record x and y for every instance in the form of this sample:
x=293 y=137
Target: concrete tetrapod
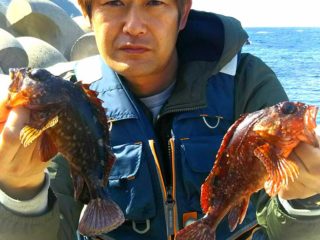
x=82 y=23
x=4 y=24
x=44 y=20
x=84 y=47
x=12 y=53
x=40 y=53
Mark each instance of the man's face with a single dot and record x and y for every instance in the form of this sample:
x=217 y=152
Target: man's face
x=136 y=38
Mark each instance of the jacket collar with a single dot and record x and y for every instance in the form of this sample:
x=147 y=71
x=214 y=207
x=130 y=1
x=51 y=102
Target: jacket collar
x=208 y=45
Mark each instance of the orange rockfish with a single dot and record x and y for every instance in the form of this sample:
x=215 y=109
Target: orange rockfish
x=69 y=118
x=253 y=154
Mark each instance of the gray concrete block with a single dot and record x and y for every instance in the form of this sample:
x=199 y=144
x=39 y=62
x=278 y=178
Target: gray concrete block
x=4 y=24
x=44 y=20
x=82 y=23
x=40 y=53
x=84 y=47
x=3 y=20
x=12 y=54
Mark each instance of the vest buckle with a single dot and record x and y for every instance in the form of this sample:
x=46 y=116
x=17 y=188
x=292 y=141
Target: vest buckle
x=141 y=231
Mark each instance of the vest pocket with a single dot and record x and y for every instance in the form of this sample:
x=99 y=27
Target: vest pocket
x=130 y=182
x=197 y=156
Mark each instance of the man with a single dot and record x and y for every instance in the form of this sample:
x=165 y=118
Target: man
x=172 y=82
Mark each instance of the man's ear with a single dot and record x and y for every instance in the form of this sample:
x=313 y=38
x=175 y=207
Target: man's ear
x=184 y=14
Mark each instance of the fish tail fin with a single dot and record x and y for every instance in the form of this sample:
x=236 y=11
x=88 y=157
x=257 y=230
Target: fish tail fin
x=100 y=216
x=199 y=230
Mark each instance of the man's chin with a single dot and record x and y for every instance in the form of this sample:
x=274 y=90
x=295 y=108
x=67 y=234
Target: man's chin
x=131 y=70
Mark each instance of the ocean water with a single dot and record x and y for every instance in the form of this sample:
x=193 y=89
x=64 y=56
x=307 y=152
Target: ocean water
x=294 y=55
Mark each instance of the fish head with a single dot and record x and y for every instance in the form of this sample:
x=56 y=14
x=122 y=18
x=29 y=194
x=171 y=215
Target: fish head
x=288 y=122
x=28 y=86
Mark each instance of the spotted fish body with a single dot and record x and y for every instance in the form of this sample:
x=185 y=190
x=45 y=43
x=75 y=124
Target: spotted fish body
x=69 y=119
x=253 y=154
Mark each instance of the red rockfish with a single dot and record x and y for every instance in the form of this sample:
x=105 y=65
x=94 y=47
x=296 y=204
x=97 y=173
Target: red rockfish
x=253 y=154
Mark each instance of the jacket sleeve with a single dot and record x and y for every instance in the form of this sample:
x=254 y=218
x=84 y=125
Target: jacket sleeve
x=257 y=87
x=61 y=219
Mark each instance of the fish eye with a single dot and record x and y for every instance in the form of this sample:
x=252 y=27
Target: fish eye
x=288 y=108
x=39 y=74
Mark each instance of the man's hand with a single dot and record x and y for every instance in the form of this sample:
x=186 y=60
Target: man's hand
x=307 y=158
x=22 y=172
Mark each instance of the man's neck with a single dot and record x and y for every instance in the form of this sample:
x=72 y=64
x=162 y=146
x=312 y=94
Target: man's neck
x=144 y=86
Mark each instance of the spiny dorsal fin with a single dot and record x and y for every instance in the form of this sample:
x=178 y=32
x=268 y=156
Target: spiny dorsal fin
x=227 y=137
x=97 y=103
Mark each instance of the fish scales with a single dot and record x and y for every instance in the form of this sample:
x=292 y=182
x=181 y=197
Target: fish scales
x=254 y=154
x=69 y=118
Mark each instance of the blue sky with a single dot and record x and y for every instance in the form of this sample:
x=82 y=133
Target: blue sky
x=271 y=13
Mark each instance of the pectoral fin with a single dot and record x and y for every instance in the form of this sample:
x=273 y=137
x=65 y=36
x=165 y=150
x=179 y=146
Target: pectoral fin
x=78 y=183
x=29 y=134
x=237 y=214
x=278 y=168
x=47 y=148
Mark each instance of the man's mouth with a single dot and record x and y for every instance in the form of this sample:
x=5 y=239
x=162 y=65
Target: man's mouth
x=134 y=48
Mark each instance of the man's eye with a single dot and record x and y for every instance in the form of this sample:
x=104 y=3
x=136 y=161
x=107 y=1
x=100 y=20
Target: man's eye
x=114 y=3
x=155 y=3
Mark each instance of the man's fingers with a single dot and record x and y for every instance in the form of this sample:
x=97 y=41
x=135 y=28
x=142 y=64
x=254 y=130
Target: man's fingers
x=9 y=137
x=310 y=156
x=308 y=182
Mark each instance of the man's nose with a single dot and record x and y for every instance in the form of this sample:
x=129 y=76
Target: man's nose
x=135 y=22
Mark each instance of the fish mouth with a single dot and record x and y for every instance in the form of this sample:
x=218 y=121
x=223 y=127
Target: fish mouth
x=17 y=99
x=310 y=125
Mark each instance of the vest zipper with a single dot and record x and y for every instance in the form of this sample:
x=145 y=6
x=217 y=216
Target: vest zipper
x=171 y=204
x=168 y=192
x=169 y=212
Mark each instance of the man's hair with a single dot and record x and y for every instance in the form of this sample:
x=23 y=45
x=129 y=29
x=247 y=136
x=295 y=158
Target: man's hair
x=86 y=6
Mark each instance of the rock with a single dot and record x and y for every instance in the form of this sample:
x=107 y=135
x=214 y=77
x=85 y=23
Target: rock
x=40 y=53
x=44 y=20
x=84 y=47
x=12 y=53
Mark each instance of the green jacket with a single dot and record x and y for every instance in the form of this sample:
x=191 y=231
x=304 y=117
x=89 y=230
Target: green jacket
x=256 y=86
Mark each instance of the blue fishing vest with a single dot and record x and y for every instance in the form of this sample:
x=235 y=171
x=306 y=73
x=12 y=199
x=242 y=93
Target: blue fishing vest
x=135 y=181
x=153 y=211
